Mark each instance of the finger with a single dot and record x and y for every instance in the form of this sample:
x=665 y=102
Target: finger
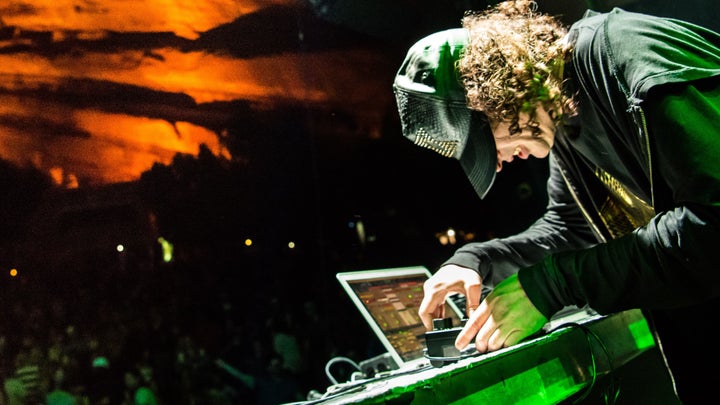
x=473 y=325
x=514 y=338
x=469 y=309
x=431 y=307
x=500 y=339
x=497 y=340
x=472 y=298
x=485 y=332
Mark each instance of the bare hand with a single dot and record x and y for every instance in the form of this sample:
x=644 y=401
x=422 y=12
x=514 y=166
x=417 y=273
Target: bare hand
x=449 y=279
x=504 y=318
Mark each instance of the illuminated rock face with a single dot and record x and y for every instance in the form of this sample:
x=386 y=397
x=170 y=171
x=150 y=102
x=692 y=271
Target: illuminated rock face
x=97 y=92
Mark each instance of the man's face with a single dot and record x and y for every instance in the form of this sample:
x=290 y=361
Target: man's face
x=523 y=144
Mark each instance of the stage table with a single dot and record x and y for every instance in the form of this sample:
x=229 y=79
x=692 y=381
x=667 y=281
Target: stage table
x=547 y=369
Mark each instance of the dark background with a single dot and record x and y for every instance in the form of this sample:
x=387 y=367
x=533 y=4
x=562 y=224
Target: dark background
x=299 y=172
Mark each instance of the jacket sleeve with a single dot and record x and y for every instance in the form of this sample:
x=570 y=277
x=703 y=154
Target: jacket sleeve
x=670 y=261
x=561 y=227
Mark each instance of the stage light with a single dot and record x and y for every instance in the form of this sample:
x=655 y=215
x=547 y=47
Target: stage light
x=167 y=249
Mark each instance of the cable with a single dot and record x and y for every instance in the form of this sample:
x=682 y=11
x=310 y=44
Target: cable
x=335 y=360
x=614 y=385
x=352 y=386
x=610 y=395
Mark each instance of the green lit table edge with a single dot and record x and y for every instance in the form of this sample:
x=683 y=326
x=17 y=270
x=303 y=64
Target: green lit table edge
x=543 y=370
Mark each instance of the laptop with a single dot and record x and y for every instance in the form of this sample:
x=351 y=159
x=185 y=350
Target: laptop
x=389 y=300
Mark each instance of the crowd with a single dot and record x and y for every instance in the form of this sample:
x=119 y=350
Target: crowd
x=187 y=333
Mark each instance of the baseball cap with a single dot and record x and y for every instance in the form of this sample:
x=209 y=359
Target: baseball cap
x=433 y=109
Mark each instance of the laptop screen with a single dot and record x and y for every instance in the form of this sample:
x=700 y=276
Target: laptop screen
x=389 y=300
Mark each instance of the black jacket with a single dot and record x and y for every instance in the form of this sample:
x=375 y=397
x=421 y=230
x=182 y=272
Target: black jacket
x=649 y=117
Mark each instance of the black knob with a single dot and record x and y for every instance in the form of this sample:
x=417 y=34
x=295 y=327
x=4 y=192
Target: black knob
x=442 y=323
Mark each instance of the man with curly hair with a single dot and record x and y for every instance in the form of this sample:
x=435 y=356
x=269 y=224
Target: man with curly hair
x=627 y=107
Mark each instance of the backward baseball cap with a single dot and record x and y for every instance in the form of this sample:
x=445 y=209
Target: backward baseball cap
x=433 y=109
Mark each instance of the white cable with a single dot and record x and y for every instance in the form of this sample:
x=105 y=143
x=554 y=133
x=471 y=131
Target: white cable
x=335 y=360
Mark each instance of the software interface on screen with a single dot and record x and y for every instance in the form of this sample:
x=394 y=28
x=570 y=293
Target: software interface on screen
x=393 y=304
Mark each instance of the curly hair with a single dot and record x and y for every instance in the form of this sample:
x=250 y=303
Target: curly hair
x=514 y=62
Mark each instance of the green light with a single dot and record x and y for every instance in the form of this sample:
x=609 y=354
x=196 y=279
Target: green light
x=546 y=370
x=641 y=333
x=553 y=381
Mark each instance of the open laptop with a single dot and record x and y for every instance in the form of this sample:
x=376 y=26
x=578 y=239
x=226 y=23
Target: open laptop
x=389 y=300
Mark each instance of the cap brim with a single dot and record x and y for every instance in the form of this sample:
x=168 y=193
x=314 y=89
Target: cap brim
x=479 y=157
x=433 y=108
